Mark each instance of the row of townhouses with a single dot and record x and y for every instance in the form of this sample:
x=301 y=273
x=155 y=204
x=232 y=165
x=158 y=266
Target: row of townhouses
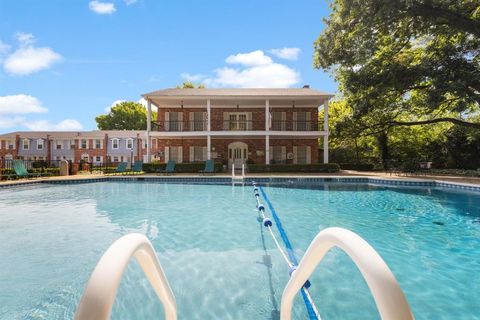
x=232 y=126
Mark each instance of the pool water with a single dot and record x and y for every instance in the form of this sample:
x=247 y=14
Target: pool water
x=217 y=258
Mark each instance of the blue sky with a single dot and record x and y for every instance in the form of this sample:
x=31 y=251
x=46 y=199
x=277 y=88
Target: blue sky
x=64 y=62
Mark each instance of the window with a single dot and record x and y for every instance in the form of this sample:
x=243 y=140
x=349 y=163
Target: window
x=11 y=144
x=26 y=144
x=98 y=159
x=175 y=153
x=199 y=154
x=129 y=143
x=115 y=144
x=154 y=143
x=174 y=121
x=72 y=144
x=301 y=155
x=57 y=158
x=279 y=154
x=98 y=143
x=58 y=145
x=115 y=159
x=83 y=144
x=40 y=144
x=197 y=121
x=238 y=121
x=278 y=121
x=301 y=121
x=85 y=157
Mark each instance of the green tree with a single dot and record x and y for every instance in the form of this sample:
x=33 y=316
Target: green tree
x=127 y=115
x=190 y=85
x=404 y=62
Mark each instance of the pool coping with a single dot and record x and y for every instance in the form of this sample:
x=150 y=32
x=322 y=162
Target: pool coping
x=412 y=182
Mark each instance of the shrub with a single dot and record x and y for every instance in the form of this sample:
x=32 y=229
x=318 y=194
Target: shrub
x=357 y=166
x=317 y=168
x=189 y=167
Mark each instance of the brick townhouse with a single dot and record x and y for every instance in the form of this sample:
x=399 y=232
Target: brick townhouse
x=90 y=146
x=234 y=126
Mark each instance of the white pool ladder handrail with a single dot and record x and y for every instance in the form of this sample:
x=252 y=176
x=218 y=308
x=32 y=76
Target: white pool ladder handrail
x=101 y=290
x=386 y=291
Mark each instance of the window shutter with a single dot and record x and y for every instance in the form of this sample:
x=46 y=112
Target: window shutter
x=249 y=121
x=167 y=154
x=204 y=153
x=167 y=119
x=226 y=117
x=180 y=120
x=180 y=154
x=191 y=153
x=294 y=154
x=308 y=118
x=284 y=153
x=284 y=119
x=309 y=154
x=192 y=120
x=294 y=121
x=205 y=120
x=270 y=152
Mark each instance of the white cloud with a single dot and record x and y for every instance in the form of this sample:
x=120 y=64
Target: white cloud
x=25 y=39
x=286 y=53
x=254 y=58
x=102 y=7
x=256 y=70
x=20 y=104
x=25 y=61
x=46 y=125
x=27 y=58
x=129 y=2
x=4 y=48
x=114 y=103
x=10 y=122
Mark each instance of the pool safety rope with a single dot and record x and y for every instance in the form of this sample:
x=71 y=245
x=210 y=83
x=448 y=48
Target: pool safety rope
x=288 y=256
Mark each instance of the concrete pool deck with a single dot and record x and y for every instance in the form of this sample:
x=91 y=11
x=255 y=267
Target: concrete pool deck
x=471 y=181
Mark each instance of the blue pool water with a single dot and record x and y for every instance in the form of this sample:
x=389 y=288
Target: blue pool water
x=210 y=245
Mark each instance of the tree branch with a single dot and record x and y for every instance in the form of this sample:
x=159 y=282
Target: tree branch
x=437 y=120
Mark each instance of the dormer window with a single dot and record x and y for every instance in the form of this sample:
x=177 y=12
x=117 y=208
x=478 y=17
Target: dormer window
x=115 y=143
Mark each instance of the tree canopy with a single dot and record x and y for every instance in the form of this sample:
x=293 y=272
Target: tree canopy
x=404 y=62
x=126 y=115
x=190 y=85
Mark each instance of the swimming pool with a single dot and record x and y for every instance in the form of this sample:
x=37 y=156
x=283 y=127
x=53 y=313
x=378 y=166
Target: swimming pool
x=210 y=245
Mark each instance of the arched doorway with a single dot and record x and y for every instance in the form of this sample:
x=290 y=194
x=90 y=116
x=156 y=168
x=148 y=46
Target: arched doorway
x=237 y=154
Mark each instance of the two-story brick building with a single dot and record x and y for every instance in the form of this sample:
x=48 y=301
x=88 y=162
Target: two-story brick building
x=235 y=126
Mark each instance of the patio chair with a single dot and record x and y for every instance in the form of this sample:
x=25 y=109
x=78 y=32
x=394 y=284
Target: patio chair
x=137 y=167
x=209 y=168
x=170 y=169
x=121 y=167
x=22 y=172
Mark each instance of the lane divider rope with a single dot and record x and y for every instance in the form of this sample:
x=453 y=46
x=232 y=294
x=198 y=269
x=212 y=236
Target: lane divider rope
x=289 y=256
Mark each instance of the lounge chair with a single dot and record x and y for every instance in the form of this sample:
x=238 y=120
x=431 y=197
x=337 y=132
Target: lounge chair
x=137 y=167
x=22 y=172
x=170 y=169
x=121 y=167
x=209 y=168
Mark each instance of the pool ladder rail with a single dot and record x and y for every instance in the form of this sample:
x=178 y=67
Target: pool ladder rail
x=101 y=289
x=236 y=178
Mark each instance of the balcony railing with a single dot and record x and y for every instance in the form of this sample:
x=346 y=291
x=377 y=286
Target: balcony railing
x=235 y=125
x=174 y=126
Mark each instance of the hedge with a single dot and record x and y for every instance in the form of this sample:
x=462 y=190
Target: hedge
x=320 y=167
x=193 y=167
x=357 y=166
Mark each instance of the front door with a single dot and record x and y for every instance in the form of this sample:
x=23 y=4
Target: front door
x=237 y=154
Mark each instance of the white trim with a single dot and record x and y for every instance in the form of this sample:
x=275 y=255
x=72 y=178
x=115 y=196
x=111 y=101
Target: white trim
x=40 y=142
x=23 y=144
x=241 y=133
x=118 y=143
x=126 y=143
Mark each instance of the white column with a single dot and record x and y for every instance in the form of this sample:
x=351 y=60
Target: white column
x=149 y=128
x=209 y=147
x=267 y=128
x=209 y=139
x=325 y=128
